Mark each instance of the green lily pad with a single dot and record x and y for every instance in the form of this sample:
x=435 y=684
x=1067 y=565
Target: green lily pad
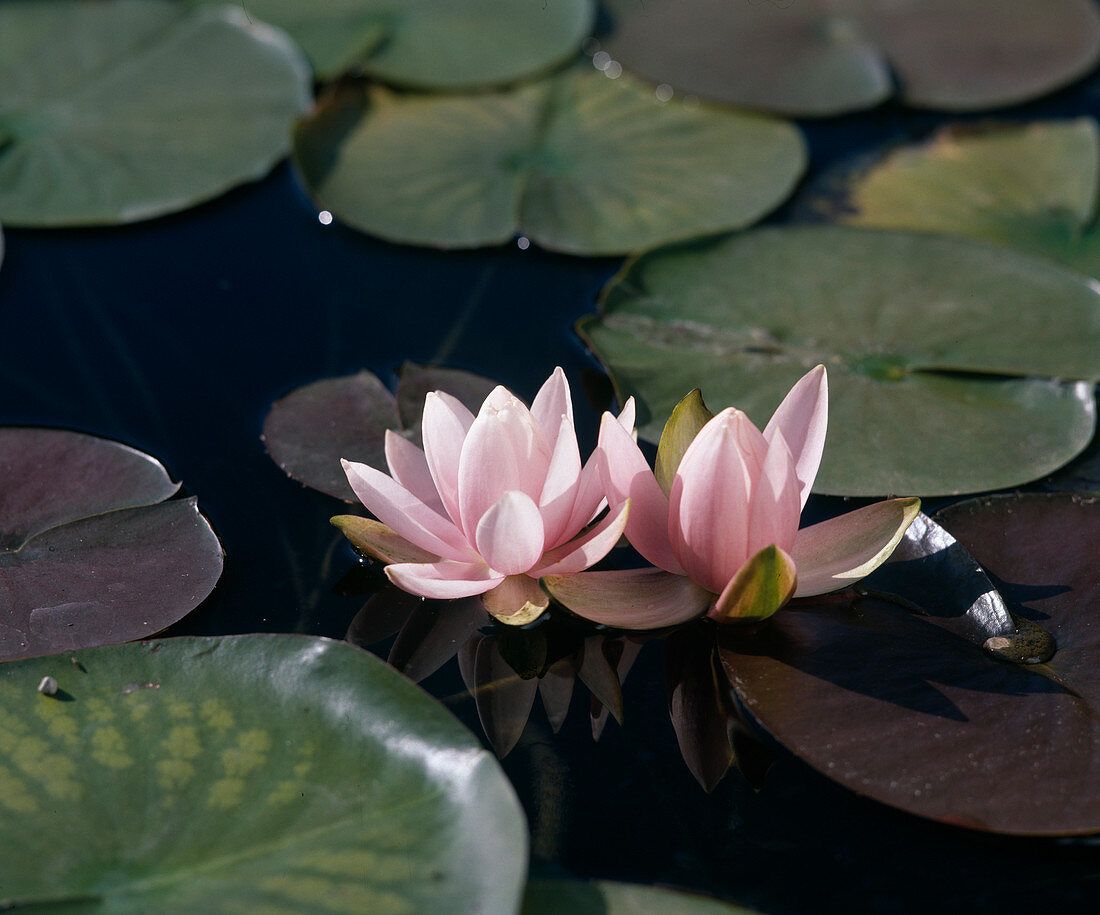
x=309 y=430
x=824 y=57
x=939 y=350
x=245 y=773
x=916 y=711
x=1033 y=186
x=604 y=897
x=112 y=111
x=578 y=162
x=431 y=45
x=91 y=552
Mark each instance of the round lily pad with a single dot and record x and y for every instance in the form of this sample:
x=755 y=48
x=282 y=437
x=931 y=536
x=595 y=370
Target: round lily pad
x=911 y=711
x=243 y=774
x=112 y=111
x=90 y=551
x=427 y=44
x=939 y=350
x=578 y=162
x=1033 y=186
x=821 y=57
x=309 y=430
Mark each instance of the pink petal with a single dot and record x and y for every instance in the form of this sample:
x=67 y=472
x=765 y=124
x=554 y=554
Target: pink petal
x=510 y=534
x=633 y=599
x=626 y=416
x=559 y=492
x=410 y=468
x=443 y=428
x=503 y=451
x=410 y=518
x=590 y=499
x=588 y=549
x=626 y=475
x=803 y=417
x=552 y=403
x=838 y=552
x=443 y=580
x=775 y=500
x=711 y=498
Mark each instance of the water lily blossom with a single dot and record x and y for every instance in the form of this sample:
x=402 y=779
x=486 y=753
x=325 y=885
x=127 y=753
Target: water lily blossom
x=719 y=519
x=492 y=502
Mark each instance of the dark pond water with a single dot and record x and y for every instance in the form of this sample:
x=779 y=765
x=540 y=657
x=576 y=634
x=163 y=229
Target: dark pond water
x=175 y=336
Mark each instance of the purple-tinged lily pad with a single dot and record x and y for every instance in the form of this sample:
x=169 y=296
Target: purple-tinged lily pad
x=90 y=551
x=911 y=711
x=309 y=430
x=823 y=57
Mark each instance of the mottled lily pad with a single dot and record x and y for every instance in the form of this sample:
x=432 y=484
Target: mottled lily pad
x=1033 y=186
x=312 y=428
x=578 y=162
x=244 y=773
x=431 y=45
x=113 y=111
x=912 y=711
x=823 y=57
x=603 y=897
x=90 y=551
x=939 y=350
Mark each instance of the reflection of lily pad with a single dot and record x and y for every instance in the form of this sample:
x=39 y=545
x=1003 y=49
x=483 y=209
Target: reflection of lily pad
x=603 y=897
x=579 y=162
x=1033 y=186
x=243 y=774
x=90 y=553
x=428 y=44
x=911 y=711
x=939 y=350
x=312 y=428
x=121 y=110
x=821 y=57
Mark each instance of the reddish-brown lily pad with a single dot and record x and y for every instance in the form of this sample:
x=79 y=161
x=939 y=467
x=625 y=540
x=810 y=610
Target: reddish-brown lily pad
x=309 y=430
x=911 y=711
x=90 y=551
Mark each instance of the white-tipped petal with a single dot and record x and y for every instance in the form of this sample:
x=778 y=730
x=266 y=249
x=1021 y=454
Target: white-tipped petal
x=559 y=492
x=552 y=403
x=510 y=535
x=803 y=417
x=443 y=580
x=410 y=468
x=838 y=552
x=405 y=514
x=443 y=429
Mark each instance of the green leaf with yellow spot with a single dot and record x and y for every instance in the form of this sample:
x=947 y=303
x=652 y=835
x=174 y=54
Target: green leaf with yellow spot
x=246 y=774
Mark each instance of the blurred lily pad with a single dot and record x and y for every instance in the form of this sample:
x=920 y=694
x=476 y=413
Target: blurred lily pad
x=824 y=57
x=579 y=162
x=309 y=430
x=939 y=350
x=604 y=897
x=243 y=773
x=431 y=45
x=911 y=711
x=90 y=551
x=112 y=111
x=1033 y=186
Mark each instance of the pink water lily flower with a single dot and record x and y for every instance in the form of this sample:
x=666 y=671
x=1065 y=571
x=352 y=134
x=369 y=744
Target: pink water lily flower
x=723 y=532
x=492 y=503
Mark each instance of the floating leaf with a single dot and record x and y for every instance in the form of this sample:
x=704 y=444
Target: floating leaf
x=911 y=711
x=939 y=350
x=1032 y=186
x=312 y=428
x=90 y=553
x=115 y=110
x=602 y=897
x=432 y=45
x=822 y=57
x=236 y=773
x=579 y=162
